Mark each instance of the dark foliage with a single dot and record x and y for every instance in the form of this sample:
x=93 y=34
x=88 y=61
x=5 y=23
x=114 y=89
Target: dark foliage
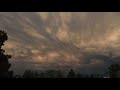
x=114 y=70
x=45 y=74
x=4 y=63
x=71 y=74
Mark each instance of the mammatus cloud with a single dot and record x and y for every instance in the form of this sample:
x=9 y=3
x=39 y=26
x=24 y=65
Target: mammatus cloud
x=61 y=40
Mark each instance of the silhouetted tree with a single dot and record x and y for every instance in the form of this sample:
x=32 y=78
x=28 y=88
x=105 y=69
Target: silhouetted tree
x=45 y=74
x=42 y=75
x=91 y=76
x=37 y=75
x=28 y=74
x=71 y=74
x=17 y=76
x=114 y=69
x=118 y=74
x=79 y=75
x=4 y=63
x=53 y=74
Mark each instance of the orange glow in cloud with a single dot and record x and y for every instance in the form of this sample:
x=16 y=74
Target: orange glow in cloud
x=10 y=44
x=114 y=36
x=39 y=58
x=69 y=57
x=34 y=51
x=52 y=55
x=43 y=58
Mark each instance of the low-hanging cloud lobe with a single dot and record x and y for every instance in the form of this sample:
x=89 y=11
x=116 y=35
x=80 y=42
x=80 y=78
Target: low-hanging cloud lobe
x=61 y=40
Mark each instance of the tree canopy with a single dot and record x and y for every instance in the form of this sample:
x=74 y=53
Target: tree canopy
x=114 y=70
x=4 y=63
x=71 y=74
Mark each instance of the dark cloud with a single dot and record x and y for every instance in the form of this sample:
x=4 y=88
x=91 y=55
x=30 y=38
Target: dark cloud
x=68 y=39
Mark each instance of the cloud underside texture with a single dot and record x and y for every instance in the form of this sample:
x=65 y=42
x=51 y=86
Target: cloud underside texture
x=60 y=40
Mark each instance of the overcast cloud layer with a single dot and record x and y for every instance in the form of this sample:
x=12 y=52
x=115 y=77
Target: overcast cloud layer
x=60 y=40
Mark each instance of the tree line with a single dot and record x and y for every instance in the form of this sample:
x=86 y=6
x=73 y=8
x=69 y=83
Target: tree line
x=57 y=74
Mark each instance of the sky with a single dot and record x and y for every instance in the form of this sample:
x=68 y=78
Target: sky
x=61 y=40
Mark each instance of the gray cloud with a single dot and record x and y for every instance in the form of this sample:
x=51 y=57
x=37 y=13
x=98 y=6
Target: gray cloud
x=66 y=40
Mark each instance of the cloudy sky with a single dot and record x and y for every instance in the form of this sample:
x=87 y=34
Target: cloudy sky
x=60 y=40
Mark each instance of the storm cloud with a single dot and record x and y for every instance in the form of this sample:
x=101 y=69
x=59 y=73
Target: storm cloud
x=61 y=40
